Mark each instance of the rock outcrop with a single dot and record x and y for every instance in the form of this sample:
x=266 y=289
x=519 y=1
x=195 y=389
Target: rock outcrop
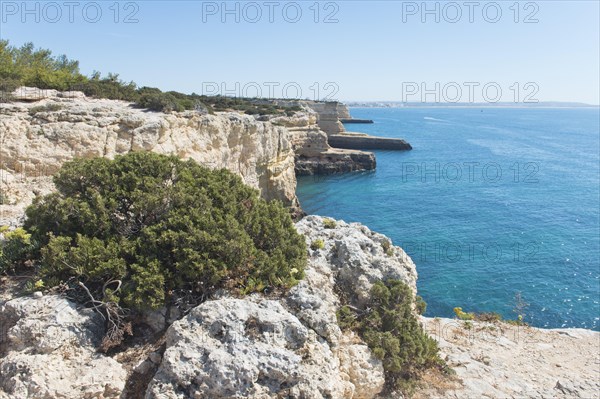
x=365 y=142
x=314 y=155
x=47 y=128
x=292 y=347
x=329 y=115
x=37 y=138
x=499 y=360
x=47 y=349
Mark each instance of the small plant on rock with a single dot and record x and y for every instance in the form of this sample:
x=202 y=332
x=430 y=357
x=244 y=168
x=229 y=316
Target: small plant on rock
x=387 y=247
x=463 y=315
x=329 y=223
x=317 y=244
x=393 y=333
x=15 y=248
x=45 y=108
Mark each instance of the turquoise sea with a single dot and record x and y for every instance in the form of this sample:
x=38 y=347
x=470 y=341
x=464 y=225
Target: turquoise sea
x=489 y=203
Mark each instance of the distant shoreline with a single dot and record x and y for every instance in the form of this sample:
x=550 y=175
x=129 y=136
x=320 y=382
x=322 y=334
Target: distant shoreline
x=475 y=107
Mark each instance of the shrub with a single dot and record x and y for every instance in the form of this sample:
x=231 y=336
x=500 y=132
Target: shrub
x=15 y=248
x=329 y=223
x=489 y=317
x=45 y=108
x=317 y=244
x=140 y=229
x=420 y=305
x=463 y=315
x=161 y=102
x=386 y=245
x=346 y=318
x=394 y=334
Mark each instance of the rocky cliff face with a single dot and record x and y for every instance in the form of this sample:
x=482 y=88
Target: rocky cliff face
x=313 y=154
x=330 y=114
x=255 y=347
x=290 y=346
x=37 y=138
x=47 y=128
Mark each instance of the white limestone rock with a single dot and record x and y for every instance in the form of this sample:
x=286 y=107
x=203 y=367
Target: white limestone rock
x=251 y=348
x=356 y=258
x=48 y=352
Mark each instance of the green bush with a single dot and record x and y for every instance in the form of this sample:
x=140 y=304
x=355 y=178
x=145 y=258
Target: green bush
x=317 y=244
x=386 y=245
x=463 y=315
x=140 y=228
x=420 y=305
x=488 y=317
x=393 y=333
x=15 y=248
x=45 y=108
x=164 y=102
x=329 y=223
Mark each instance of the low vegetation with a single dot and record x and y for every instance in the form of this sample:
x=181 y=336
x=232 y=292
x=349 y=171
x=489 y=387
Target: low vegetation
x=145 y=230
x=28 y=66
x=386 y=245
x=317 y=244
x=15 y=245
x=329 y=223
x=393 y=333
x=45 y=108
x=493 y=317
x=463 y=315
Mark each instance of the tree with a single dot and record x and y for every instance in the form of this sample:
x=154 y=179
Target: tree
x=143 y=229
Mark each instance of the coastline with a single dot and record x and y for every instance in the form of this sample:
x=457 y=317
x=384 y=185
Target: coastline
x=547 y=321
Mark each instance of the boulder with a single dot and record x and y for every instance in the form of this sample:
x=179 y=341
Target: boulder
x=48 y=348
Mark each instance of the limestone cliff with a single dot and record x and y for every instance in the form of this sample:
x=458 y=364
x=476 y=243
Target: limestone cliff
x=37 y=138
x=330 y=114
x=47 y=128
x=313 y=154
x=254 y=347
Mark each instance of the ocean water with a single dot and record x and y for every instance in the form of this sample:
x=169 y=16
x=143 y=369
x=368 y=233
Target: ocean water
x=489 y=203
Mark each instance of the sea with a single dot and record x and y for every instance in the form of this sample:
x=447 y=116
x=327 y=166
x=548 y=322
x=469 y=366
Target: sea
x=499 y=208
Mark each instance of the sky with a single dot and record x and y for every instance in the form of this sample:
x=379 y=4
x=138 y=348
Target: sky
x=444 y=51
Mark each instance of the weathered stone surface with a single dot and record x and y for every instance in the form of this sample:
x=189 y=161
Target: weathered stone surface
x=363 y=369
x=32 y=94
x=357 y=256
x=47 y=348
x=498 y=360
x=366 y=142
x=231 y=348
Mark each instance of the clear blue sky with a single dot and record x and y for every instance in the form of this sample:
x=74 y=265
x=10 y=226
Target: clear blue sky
x=370 y=53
